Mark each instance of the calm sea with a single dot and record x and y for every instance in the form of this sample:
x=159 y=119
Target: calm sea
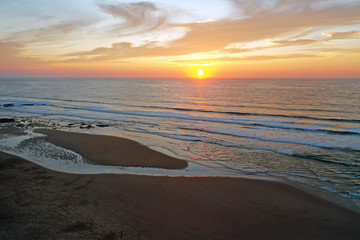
x=300 y=129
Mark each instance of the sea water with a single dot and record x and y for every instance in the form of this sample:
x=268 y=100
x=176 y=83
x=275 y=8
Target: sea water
x=304 y=130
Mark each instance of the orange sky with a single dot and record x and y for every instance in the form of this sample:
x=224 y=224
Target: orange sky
x=176 y=39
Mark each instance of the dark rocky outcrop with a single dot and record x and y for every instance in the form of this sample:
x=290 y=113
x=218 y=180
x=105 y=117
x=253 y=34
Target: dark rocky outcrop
x=6 y=120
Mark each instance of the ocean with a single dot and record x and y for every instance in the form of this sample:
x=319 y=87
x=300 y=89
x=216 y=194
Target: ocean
x=303 y=130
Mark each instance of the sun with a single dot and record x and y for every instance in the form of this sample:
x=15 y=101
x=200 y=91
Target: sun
x=200 y=73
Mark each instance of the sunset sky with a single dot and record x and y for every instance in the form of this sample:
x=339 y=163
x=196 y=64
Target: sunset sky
x=221 y=38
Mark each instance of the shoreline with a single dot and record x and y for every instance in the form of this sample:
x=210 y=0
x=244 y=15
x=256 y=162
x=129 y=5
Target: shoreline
x=59 y=137
x=161 y=163
x=37 y=203
x=320 y=185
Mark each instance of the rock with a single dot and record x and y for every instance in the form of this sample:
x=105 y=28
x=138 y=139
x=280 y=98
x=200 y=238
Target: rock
x=8 y=105
x=102 y=125
x=86 y=126
x=6 y=120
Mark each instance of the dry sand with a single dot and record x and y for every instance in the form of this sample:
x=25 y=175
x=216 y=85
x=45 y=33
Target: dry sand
x=36 y=203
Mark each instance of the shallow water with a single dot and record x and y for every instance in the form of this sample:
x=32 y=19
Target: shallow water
x=303 y=130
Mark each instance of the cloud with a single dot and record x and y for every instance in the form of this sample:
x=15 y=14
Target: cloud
x=248 y=58
x=330 y=36
x=279 y=57
x=10 y=57
x=271 y=44
x=297 y=42
x=343 y=35
x=248 y=8
x=272 y=21
x=263 y=26
x=53 y=33
x=337 y=51
x=136 y=17
x=122 y=50
x=321 y=4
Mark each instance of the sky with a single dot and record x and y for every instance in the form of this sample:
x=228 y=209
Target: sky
x=180 y=39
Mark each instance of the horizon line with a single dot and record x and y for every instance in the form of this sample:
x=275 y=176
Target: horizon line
x=173 y=78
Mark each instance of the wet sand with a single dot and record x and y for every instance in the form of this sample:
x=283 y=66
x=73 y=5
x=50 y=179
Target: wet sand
x=115 y=151
x=36 y=203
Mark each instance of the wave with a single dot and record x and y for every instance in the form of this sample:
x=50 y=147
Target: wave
x=17 y=103
x=259 y=114
x=175 y=115
x=272 y=115
x=194 y=103
x=354 y=194
x=216 y=119
x=225 y=106
x=167 y=135
x=212 y=141
x=316 y=157
x=305 y=143
x=293 y=154
x=201 y=110
x=255 y=114
x=311 y=129
x=65 y=113
x=324 y=159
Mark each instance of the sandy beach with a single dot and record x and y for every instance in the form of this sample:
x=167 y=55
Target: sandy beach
x=180 y=120
x=36 y=203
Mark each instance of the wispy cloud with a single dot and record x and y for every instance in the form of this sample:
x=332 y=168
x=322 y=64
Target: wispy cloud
x=53 y=33
x=343 y=35
x=122 y=31
x=126 y=50
x=330 y=36
x=266 y=25
x=136 y=17
x=247 y=58
x=10 y=57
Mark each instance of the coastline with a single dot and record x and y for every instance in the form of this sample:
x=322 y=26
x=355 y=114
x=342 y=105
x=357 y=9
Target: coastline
x=70 y=206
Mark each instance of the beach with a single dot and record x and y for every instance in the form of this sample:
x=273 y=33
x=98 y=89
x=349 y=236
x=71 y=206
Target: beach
x=234 y=124
x=160 y=120
x=37 y=203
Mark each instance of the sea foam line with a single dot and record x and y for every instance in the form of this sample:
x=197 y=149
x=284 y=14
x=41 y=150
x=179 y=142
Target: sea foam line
x=184 y=116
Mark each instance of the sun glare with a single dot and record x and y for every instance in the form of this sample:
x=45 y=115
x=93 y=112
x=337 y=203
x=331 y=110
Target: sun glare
x=200 y=73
